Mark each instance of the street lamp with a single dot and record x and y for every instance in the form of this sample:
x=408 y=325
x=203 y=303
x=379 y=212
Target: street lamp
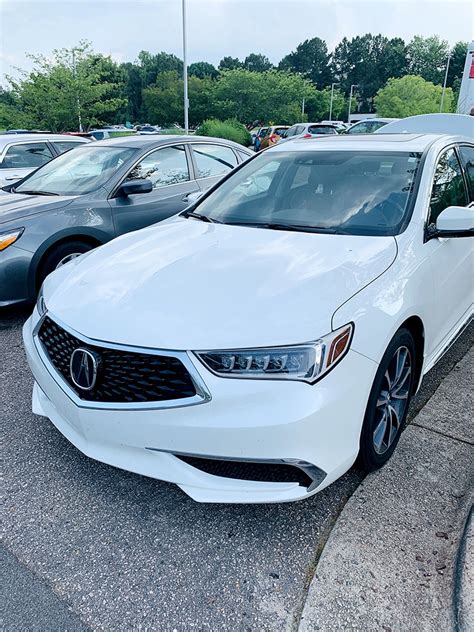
x=332 y=97
x=354 y=85
x=185 y=73
x=445 y=82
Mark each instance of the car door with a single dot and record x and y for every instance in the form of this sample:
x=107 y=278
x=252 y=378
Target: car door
x=169 y=170
x=20 y=158
x=211 y=163
x=451 y=258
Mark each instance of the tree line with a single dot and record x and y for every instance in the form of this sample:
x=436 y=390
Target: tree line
x=80 y=86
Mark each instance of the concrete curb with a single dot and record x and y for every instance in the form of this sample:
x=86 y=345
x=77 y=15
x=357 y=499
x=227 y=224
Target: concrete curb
x=390 y=561
x=464 y=589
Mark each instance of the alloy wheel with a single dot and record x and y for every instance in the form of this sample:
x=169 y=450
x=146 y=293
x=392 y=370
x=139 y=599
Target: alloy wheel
x=68 y=258
x=392 y=400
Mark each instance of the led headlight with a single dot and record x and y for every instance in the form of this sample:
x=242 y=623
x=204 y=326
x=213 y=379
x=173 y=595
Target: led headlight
x=9 y=238
x=40 y=303
x=306 y=362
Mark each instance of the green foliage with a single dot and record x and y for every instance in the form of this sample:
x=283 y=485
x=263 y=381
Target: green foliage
x=257 y=63
x=202 y=69
x=368 y=62
x=427 y=57
x=75 y=84
x=411 y=95
x=163 y=101
x=230 y=129
x=230 y=63
x=311 y=59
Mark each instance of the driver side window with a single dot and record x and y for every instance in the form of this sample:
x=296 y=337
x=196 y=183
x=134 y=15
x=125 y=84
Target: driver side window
x=163 y=167
x=448 y=186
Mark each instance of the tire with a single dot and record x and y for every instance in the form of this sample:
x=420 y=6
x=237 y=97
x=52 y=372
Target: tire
x=389 y=402
x=59 y=256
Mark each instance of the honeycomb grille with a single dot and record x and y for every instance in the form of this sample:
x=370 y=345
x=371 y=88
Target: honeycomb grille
x=123 y=376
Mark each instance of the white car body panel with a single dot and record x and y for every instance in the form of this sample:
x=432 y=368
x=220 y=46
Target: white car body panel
x=245 y=275
x=188 y=285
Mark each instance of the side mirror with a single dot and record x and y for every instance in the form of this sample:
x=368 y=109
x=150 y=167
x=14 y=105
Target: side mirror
x=134 y=187
x=455 y=221
x=191 y=198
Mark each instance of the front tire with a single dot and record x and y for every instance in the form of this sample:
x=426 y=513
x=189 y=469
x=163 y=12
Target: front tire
x=59 y=256
x=389 y=401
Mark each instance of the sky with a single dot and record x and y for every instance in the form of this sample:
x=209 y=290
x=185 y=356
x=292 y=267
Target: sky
x=121 y=28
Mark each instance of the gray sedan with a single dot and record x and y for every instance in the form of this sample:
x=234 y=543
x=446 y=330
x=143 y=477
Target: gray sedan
x=86 y=197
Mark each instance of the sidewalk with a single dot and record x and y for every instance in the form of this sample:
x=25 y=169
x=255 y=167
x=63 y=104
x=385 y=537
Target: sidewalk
x=391 y=562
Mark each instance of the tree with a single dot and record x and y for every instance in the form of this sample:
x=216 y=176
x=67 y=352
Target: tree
x=456 y=65
x=154 y=65
x=311 y=59
x=257 y=62
x=411 y=95
x=72 y=87
x=229 y=63
x=132 y=90
x=427 y=58
x=202 y=69
x=368 y=61
x=163 y=101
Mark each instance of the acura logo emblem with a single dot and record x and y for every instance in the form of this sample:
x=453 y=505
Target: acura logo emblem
x=83 y=368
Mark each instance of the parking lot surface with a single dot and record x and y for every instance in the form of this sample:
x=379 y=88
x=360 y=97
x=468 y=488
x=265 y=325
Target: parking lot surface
x=91 y=546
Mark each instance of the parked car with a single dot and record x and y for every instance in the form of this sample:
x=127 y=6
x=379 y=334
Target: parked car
x=258 y=137
x=368 y=126
x=101 y=190
x=110 y=132
x=147 y=129
x=252 y=347
x=308 y=130
x=272 y=136
x=23 y=153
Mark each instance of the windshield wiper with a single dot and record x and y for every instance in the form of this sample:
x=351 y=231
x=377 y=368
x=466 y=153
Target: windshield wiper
x=203 y=218
x=34 y=192
x=300 y=228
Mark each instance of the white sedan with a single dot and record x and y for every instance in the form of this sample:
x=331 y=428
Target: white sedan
x=253 y=347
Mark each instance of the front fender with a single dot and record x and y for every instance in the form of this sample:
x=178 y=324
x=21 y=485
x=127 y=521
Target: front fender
x=404 y=290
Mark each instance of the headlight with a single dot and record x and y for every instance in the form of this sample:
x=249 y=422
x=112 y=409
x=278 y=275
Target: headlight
x=306 y=362
x=40 y=303
x=9 y=238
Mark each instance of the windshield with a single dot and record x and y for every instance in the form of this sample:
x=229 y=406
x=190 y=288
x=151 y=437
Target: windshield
x=359 y=193
x=78 y=172
x=321 y=129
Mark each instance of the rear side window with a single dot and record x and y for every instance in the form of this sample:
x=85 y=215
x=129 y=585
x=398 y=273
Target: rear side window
x=213 y=160
x=467 y=156
x=66 y=145
x=448 y=185
x=321 y=129
x=26 y=156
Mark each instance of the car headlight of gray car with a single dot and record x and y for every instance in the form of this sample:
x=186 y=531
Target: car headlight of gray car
x=9 y=237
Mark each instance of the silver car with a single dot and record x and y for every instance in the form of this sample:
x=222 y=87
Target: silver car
x=20 y=154
x=309 y=130
x=88 y=196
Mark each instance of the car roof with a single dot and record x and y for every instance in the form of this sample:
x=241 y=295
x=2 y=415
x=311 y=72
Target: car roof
x=368 y=142
x=142 y=142
x=7 y=139
x=375 y=120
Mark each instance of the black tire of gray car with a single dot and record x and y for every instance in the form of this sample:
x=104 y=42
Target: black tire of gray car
x=59 y=253
x=389 y=400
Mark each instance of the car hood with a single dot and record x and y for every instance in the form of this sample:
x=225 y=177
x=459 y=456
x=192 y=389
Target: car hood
x=15 y=206
x=186 y=284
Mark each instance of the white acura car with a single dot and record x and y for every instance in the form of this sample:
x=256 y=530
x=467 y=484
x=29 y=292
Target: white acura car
x=253 y=347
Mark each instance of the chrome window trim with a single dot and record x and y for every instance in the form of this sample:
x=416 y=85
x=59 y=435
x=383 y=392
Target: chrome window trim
x=202 y=396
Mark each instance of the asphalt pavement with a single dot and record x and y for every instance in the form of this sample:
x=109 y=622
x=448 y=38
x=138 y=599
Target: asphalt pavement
x=90 y=546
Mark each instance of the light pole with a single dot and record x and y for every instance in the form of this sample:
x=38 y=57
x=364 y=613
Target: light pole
x=185 y=73
x=445 y=82
x=78 y=103
x=332 y=97
x=302 y=111
x=354 y=85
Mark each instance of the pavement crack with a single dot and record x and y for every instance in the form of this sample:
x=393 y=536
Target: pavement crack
x=443 y=434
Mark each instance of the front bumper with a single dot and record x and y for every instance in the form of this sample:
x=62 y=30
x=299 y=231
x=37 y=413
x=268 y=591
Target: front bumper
x=14 y=270
x=250 y=420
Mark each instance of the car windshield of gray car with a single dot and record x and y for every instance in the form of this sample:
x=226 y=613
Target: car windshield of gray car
x=75 y=173
x=344 y=192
